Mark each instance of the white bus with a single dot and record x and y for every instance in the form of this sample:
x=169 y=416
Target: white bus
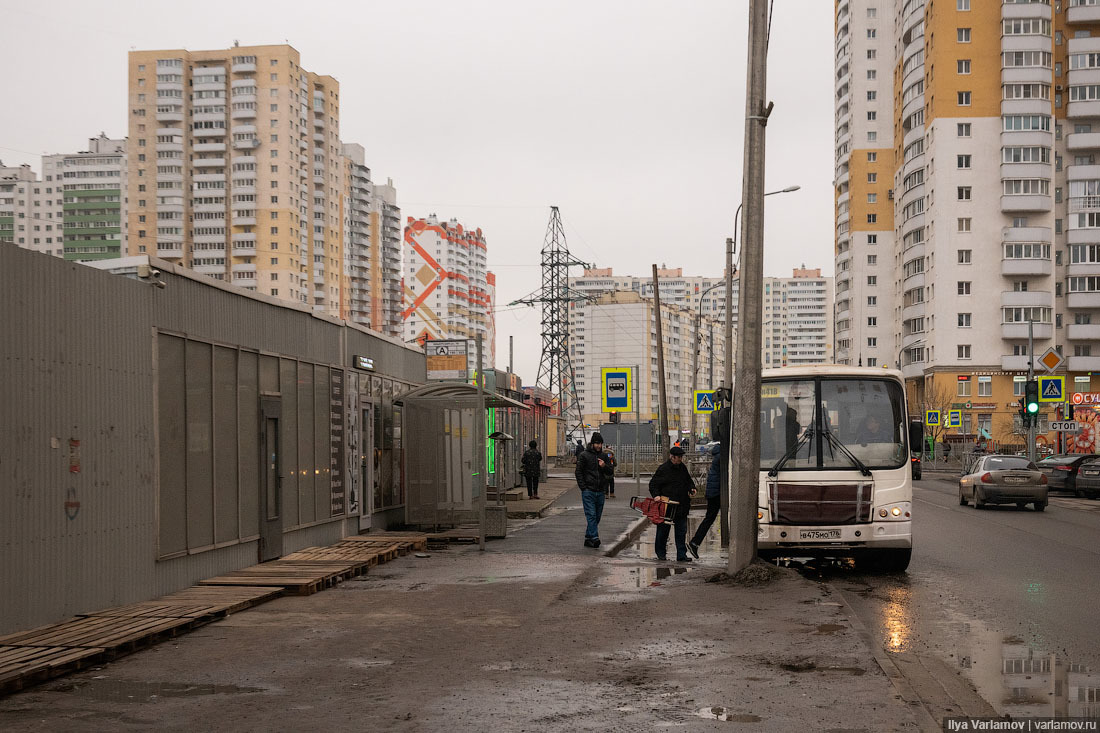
x=835 y=476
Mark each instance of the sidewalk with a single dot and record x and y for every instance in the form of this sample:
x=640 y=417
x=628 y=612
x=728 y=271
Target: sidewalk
x=536 y=633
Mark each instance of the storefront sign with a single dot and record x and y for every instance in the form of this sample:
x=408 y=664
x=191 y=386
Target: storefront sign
x=1085 y=398
x=364 y=362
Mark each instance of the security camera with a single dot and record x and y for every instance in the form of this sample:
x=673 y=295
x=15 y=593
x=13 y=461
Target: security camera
x=147 y=271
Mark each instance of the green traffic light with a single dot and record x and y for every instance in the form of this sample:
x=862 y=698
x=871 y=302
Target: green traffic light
x=1031 y=397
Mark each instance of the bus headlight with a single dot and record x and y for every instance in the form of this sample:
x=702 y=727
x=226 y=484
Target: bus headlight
x=902 y=511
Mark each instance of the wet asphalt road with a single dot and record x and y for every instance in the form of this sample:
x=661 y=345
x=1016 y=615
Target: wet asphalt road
x=986 y=587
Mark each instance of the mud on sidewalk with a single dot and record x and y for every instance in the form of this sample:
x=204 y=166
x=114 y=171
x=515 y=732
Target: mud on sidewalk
x=467 y=640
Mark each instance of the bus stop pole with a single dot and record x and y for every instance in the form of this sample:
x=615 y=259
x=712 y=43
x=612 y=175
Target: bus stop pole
x=637 y=408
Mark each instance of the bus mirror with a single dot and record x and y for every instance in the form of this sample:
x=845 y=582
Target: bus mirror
x=916 y=436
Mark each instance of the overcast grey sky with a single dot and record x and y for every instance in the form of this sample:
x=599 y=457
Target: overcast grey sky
x=626 y=115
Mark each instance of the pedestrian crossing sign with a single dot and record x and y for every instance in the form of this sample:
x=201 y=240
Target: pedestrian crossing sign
x=932 y=417
x=1052 y=389
x=954 y=418
x=704 y=401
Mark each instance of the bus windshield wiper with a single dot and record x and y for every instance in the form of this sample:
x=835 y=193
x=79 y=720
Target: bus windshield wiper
x=844 y=449
x=791 y=453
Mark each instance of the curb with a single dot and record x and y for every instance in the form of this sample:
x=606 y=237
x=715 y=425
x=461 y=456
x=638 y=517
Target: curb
x=632 y=532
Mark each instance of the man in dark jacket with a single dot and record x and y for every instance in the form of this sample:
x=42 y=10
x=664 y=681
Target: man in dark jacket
x=532 y=467
x=593 y=471
x=673 y=480
x=714 y=500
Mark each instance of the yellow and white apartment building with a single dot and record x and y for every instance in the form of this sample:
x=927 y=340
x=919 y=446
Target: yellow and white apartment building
x=968 y=197
x=235 y=169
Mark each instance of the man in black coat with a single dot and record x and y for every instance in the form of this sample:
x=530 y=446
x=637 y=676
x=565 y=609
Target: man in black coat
x=673 y=480
x=593 y=473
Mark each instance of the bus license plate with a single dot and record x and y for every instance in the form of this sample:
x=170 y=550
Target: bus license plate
x=819 y=534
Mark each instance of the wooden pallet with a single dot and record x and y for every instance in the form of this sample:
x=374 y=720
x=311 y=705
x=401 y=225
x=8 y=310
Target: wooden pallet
x=349 y=553
x=196 y=602
x=24 y=666
x=300 y=578
x=407 y=541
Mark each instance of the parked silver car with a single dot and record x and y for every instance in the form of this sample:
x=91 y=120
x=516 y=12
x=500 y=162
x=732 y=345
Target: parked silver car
x=1000 y=479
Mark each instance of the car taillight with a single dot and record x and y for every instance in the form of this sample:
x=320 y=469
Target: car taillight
x=914 y=460
x=987 y=478
x=1042 y=479
x=1063 y=468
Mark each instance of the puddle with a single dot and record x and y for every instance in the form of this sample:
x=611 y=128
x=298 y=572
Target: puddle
x=1022 y=678
x=720 y=713
x=131 y=691
x=638 y=576
x=710 y=551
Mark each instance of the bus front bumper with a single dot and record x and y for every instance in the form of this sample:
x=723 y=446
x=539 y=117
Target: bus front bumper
x=873 y=535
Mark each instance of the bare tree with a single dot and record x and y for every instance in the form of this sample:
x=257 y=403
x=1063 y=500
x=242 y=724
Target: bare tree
x=938 y=398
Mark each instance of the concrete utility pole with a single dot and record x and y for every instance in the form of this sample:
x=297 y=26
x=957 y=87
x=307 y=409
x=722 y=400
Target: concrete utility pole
x=745 y=436
x=660 y=364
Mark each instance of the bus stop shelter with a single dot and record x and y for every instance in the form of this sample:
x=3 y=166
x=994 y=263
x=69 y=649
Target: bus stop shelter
x=445 y=453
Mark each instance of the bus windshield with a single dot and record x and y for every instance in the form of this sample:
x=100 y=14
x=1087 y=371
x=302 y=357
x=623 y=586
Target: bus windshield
x=850 y=423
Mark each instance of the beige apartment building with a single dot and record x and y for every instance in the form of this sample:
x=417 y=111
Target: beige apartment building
x=235 y=169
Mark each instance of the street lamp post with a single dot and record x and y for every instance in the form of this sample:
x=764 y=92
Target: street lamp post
x=731 y=244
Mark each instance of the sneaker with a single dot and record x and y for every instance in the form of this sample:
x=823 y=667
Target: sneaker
x=683 y=559
x=589 y=543
x=662 y=558
x=694 y=550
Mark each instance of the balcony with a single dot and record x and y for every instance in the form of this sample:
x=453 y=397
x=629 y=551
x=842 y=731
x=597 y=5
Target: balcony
x=319 y=122
x=1014 y=363
x=1082 y=141
x=1026 y=203
x=249 y=144
x=1083 y=332
x=1018 y=331
x=250 y=97
x=244 y=68
x=209 y=208
x=209 y=162
x=1079 y=110
x=244 y=249
x=1083 y=363
x=1026 y=267
x=1082 y=14
x=319 y=180
x=319 y=137
x=1083 y=300
x=170 y=147
x=244 y=114
x=243 y=221
x=209 y=132
x=208 y=147
x=169 y=116
x=1013 y=298
x=206 y=177
x=209 y=269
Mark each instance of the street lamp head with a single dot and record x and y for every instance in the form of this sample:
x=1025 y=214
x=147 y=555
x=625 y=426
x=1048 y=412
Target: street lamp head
x=788 y=189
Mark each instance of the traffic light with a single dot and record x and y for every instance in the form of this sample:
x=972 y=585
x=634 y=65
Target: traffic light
x=1031 y=397
x=1067 y=413
x=1025 y=419
x=614 y=418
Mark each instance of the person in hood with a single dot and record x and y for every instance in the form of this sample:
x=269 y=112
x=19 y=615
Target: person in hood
x=672 y=479
x=532 y=467
x=714 y=500
x=593 y=473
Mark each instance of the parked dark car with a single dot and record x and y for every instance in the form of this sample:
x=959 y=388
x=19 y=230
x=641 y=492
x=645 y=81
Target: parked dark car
x=1088 y=479
x=1061 y=470
x=1001 y=479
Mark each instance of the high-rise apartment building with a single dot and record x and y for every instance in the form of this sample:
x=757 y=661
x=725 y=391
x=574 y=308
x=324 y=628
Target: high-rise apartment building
x=386 y=248
x=19 y=190
x=968 y=195
x=87 y=192
x=619 y=329
x=798 y=319
x=446 y=284
x=707 y=294
x=235 y=169
x=358 y=192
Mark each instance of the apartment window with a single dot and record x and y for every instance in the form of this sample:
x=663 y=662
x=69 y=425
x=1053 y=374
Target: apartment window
x=274 y=230
x=964 y=99
x=274 y=138
x=871 y=96
x=872 y=321
x=962 y=162
x=985 y=386
x=872 y=239
x=964 y=256
x=274 y=260
x=964 y=320
x=872 y=136
x=962 y=35
x=962 y=5
x=872 y=259
x=872 y=280
x=872 y=157
x=1082 y=350
x=274 y=169
x=963 y=129
x=872 y=361
x=872 y=218
x=962 y=66
x=873 y=341
x=872 y=198
x=872 y=116
x=872 y=177
x=871 y=33
x=274 y=107
x=872 y=12
x=963 y=383
x=274 y=77
x=964 y=224
x=872 y=300
x=963 y=193
x=964 y=287
x=274 y=184
x=871 y=53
